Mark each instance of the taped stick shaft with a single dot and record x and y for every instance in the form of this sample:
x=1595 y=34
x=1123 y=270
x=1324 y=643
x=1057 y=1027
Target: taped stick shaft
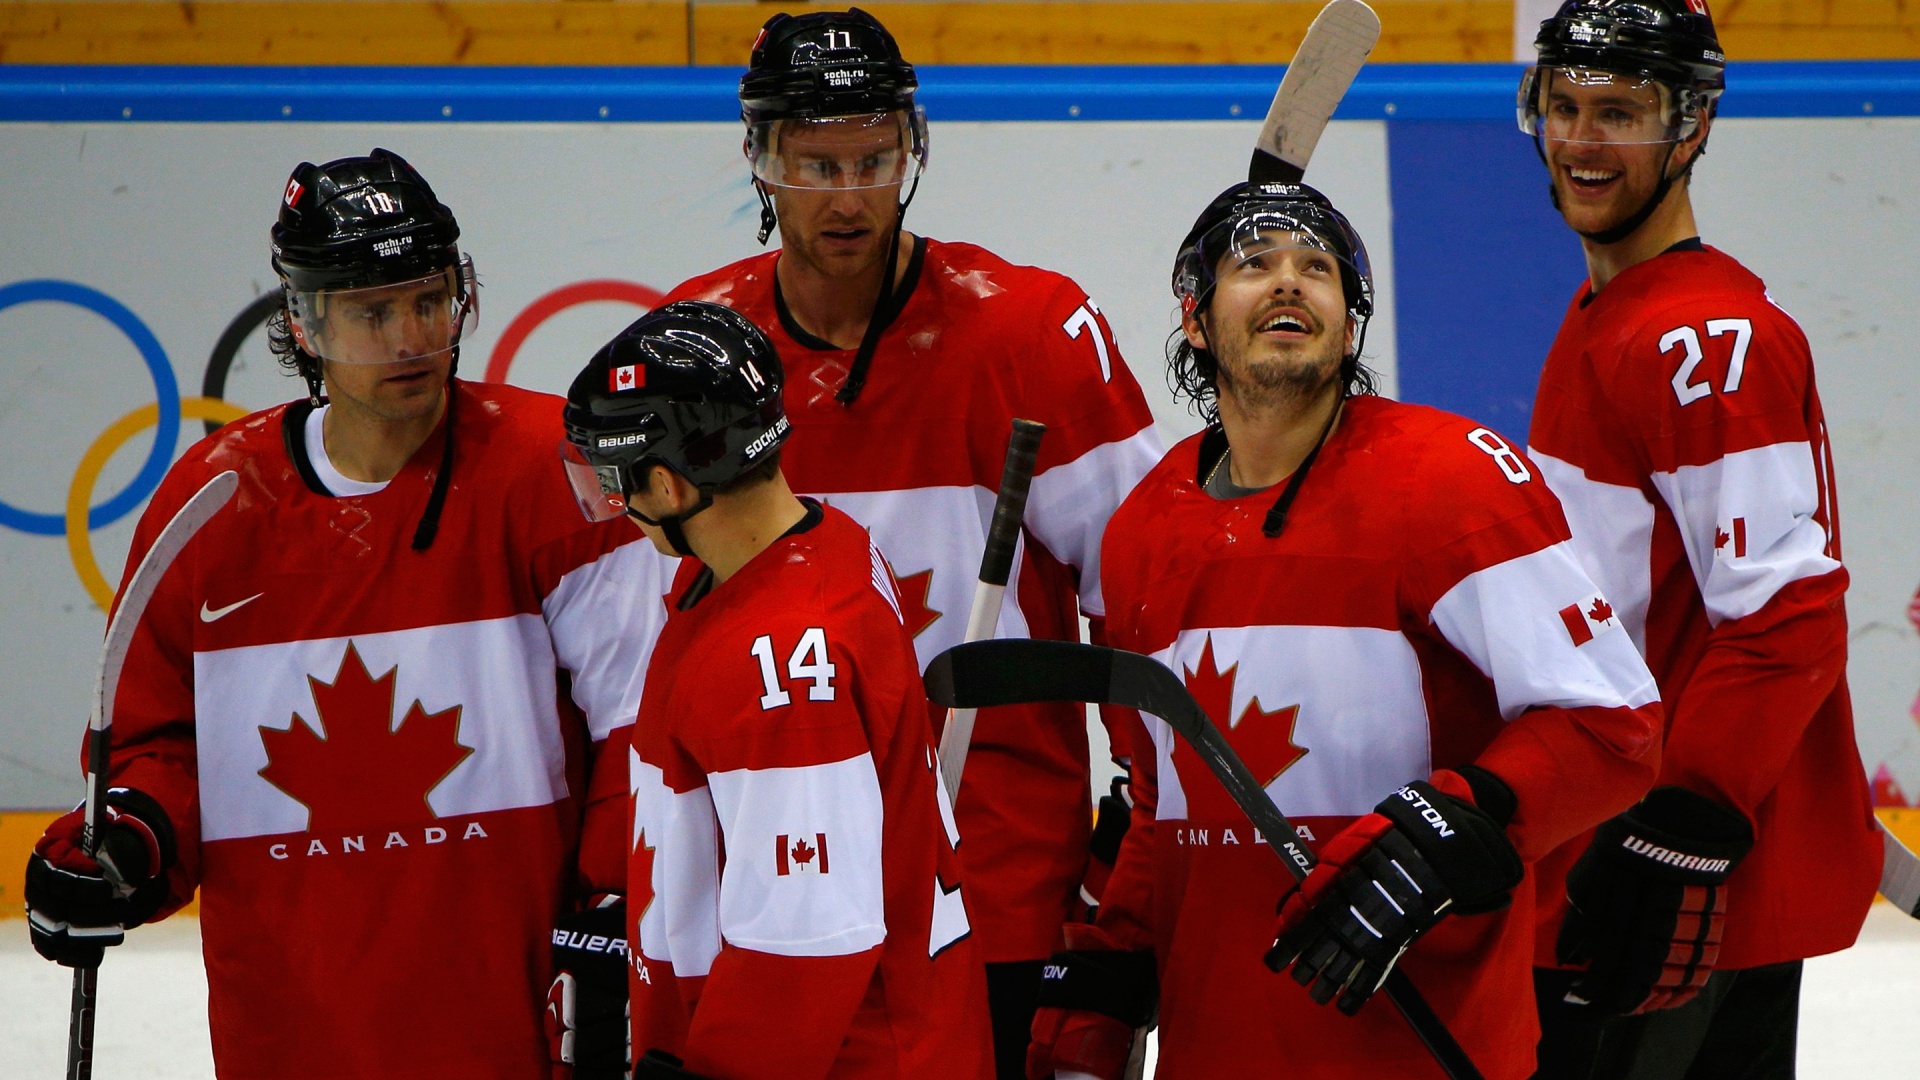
x=989 y=592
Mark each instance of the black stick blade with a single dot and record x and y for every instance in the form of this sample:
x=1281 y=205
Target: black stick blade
x=1013 y=671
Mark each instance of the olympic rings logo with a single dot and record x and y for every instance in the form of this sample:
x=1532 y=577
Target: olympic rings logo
x=168 y=409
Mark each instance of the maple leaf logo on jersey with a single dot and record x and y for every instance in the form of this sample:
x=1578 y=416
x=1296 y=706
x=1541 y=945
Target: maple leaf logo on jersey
x=915 y=612
x=1263 y=738
x=1601 y=611
x=640 y=879
x=365 y=772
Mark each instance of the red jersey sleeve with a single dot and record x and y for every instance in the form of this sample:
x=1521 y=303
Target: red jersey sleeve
x=777 y=732
x=153 y=747
x=1493 y=569
x=1722 y=397
x=1100 y=437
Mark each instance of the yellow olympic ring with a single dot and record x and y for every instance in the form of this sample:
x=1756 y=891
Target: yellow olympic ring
x=80 y=493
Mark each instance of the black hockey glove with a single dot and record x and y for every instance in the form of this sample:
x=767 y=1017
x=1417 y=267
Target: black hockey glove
x=77 y=906
x=660 y=1065
x=1091 y=1000
x=1649 y=902
x=587 y=1011
x=1427 y=851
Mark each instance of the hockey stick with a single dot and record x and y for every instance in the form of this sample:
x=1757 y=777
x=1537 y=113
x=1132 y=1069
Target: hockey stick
x=106 y=684
x=1011 y=672
x=1336 y=45
x=1899 y=872
x=996 y=565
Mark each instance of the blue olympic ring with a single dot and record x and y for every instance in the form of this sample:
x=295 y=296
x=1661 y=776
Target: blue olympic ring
x=166 y=392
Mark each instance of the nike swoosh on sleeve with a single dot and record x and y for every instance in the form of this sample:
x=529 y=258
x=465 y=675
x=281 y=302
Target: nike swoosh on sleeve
x=208 y=614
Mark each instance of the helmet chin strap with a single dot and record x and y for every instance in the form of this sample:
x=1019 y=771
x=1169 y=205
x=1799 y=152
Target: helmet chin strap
x=673 y=525
x=767 y=218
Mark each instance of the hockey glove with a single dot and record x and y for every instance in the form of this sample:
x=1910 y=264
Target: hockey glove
x=77 y=906
x=1649 y=902
x=660 y=1065
x=587 y=1011
x=1110 y=826
x=1091 y=1000
x=1427 y=851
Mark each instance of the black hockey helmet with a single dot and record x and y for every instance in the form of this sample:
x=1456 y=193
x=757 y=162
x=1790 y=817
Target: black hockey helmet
x=693 y=386
x=360 y=222
x=1670 y=41
x=825 y=63
x=1247 y=214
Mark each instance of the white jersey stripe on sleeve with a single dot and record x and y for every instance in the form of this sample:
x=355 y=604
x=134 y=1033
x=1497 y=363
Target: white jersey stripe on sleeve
x=1068 y=505
x=1612 y=536
x=1747 y=521
x=604 y=617
x=803 y=854
x=1538 y=628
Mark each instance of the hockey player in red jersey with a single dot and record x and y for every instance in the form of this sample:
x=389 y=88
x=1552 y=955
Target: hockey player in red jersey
x=901 y=400
x=1678 y=422
x=796 y=895
x=352 y=716
x=1379 y=605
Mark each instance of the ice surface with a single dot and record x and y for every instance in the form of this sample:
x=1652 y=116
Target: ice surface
x=1855 y=1014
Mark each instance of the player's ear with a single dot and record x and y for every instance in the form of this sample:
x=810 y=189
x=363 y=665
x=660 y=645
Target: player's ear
x=1192 y=327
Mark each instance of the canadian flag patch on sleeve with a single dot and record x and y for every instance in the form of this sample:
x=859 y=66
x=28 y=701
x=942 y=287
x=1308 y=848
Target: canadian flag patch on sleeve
x=799 y=854
x=1588 y=619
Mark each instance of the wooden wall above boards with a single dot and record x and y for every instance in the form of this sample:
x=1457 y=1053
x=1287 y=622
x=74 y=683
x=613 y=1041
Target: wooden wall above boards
x=719 y=32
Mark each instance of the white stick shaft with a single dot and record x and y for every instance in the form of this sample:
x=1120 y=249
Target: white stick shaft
x=982 y=620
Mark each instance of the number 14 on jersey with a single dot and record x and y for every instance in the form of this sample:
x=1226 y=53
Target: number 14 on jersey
x=808 y=661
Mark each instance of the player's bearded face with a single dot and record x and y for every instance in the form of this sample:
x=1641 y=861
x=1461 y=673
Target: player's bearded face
x=1605 y=138
x=1277 y=322
x=836 y=188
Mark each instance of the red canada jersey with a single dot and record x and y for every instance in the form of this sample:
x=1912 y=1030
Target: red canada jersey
x=1678 y=422
x=917 y=460
x=793 y=882
x=374 y=756
x=1422 y=610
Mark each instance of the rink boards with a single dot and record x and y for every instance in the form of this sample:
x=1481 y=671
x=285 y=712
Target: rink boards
x=134 y=207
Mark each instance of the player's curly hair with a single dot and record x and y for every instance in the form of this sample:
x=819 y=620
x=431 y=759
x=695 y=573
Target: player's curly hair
x=1193 y=374
x=293 y=359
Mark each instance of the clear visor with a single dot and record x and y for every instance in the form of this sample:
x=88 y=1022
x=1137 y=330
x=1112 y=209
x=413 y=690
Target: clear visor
x=389 y=324
x=1270 y=243
x=596 y=488
x=1578 y=105
x=872 y=150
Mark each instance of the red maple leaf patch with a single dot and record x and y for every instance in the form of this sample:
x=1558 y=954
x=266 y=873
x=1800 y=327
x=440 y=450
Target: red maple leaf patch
x=1719 y=538
x=1600 y=611
x=1263 y=738
x=802 y=852
x=365 y=773
x=914 y=610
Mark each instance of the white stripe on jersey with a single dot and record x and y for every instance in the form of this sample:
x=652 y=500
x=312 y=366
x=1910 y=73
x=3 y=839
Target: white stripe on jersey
x=1506 y=619
x=883 y=580
x=1068 y=506
x=498 y=672
x=682 y=925
x=836 y=911
x=943 y=529
x=1773 y=492
x=1362 y=711
x=604 y=617
x=1613 y=537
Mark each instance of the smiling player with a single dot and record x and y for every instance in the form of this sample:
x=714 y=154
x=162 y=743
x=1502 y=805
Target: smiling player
x=1678 y=422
